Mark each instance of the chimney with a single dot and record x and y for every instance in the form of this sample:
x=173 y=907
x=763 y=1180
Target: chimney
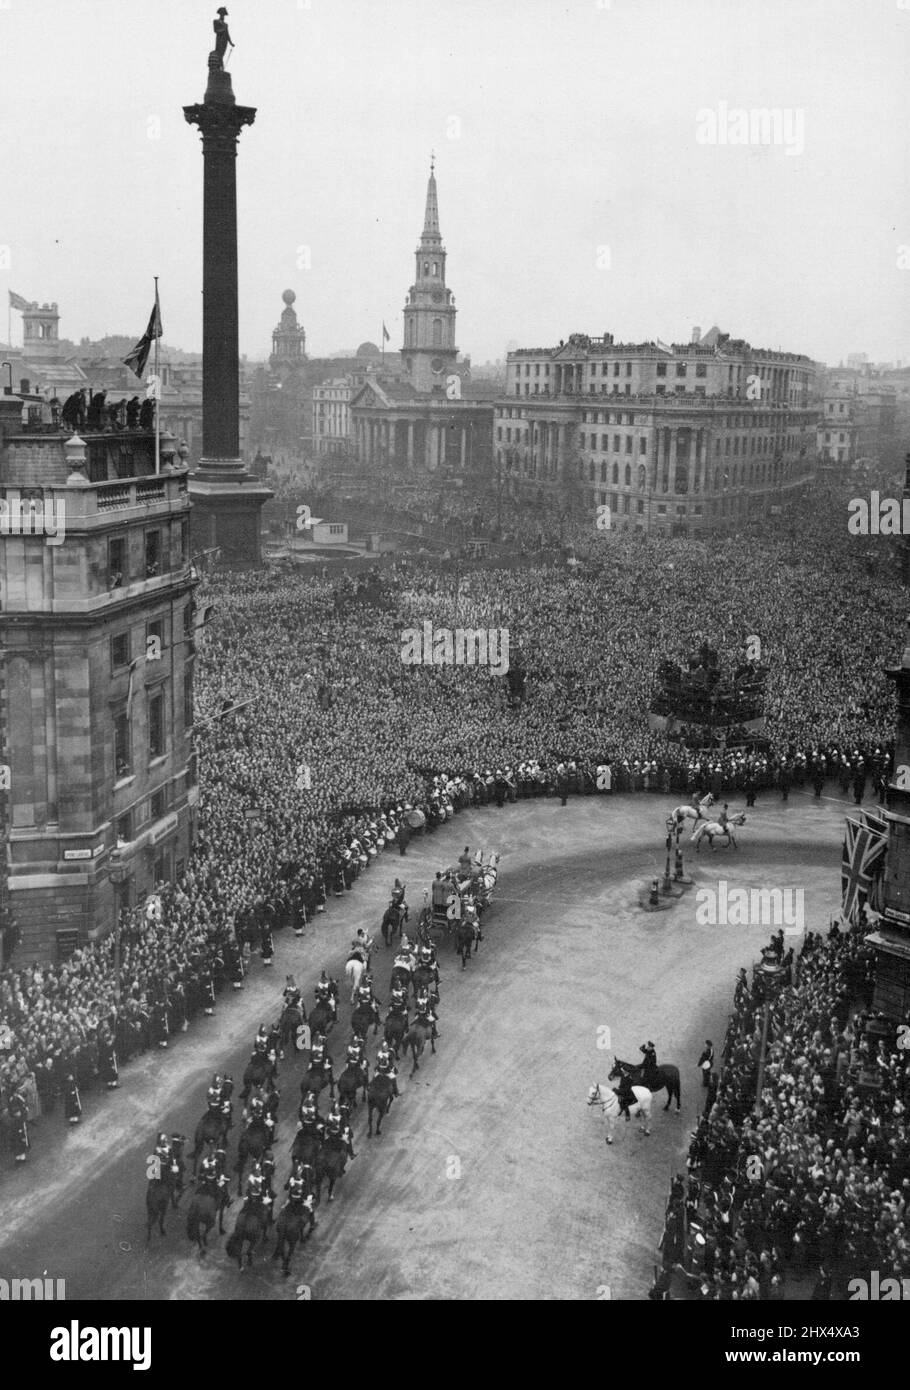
x=696 y=334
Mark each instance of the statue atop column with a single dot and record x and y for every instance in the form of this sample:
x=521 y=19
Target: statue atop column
x=222 y=40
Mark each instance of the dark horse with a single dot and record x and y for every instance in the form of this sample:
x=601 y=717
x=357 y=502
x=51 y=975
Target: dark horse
x=396 y=914
x=249 y=1229
x=353 y=1079
x=213 y=1126
x=204 y=1208
x=361 y=1018
x=322 y=1018
x=380 y=1095
x=254 y=1140
x=418 y=1033
x=157 y=1198
x=307 y=1143
x=396 y=1025
x=467 y=934
x=331 y=1161
x=295 y=1223
x=293 y=1018
x=259 y=1070
x=656 y=1080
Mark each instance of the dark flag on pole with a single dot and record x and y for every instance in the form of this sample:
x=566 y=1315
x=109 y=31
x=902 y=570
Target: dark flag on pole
x=140 y=353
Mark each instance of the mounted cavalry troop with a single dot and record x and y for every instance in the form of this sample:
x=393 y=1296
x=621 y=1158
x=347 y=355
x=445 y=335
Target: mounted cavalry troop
x=303 y=1045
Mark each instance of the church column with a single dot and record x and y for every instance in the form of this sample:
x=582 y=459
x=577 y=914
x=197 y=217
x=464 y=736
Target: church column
x=703 y=461
x=464 y=447
x=672 y=460
x=443 y=431
x=410 y=444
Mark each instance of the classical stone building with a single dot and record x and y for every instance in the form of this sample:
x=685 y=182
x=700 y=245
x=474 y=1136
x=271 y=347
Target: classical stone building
x=684 y=437
x=96 y=663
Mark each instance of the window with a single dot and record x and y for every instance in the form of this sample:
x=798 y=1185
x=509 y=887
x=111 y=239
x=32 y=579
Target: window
x=156 y=725
x=661 y=369
x=628 y=443
x=157 y=804
x=628 y=475
x=123 y=753
x=642 y=444
x=435 y=269
x=701 y=369
x=616 y=369
x=437 y=332
x=184 y=540
x=123 y=827
x=188 y=620
x=661 y=391
x=116 y=562
x=152 y=554
x=628 y=369
x=680 y=369
x=615 y=473
x=604 y=442
x=603 y=472
x=120 y=650
x=616 y=443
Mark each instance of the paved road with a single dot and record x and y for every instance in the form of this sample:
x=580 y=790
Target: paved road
x=491 y=1179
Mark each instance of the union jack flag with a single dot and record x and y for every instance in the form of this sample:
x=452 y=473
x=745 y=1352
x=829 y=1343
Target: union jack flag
x=865 y=843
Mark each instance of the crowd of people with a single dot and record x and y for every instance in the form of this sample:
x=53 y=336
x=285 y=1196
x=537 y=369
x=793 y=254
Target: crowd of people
x=377 y=738
x=813 y=1185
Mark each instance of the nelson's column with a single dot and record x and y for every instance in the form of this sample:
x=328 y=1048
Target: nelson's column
x=226 y=499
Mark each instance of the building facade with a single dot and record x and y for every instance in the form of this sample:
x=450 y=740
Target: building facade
x=96 y=672
x=682 y=437
x=332 y=415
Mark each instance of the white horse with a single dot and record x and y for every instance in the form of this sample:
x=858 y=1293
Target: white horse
x=356 y=965
x=713 y=829
x=609 y=1102
x=696 y=812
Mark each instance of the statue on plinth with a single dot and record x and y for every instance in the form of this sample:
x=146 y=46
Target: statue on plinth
x=222 y=40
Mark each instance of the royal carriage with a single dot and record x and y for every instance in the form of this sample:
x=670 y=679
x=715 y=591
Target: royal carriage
x=457 y=893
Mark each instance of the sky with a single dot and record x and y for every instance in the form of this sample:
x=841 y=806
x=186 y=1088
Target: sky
x=590 y=168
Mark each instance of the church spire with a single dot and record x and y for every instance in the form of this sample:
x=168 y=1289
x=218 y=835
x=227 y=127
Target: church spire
x=431 y=216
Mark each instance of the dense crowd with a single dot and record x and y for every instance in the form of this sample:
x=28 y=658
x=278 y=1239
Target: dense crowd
x=341 y=740
x=815 y=1186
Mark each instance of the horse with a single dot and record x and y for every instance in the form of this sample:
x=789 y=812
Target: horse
x=259 y=1069
x=353 y=1079
x=316 y=1078
x=212 y=1127
x=394 y=918
x=292 y=1024
x=713 y=828
x=418 y=1033
x=331 y=1162
x=157 y=1198
x=355 y=967
x=396 y=1025
x=255 y=1139
x=426 y=975
x=249 y=1229
x=295 y=1223
x=467 y=933
x=381 y=1095
x=306 y=1145
x=680 y=814
x=655 y=1080
x=322 y=1018
x=609 y=1103
x=200 y=1218
x=402 y=975
x=361 y=1018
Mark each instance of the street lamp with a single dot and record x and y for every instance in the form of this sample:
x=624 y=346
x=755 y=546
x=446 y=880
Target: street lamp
x=769 y=975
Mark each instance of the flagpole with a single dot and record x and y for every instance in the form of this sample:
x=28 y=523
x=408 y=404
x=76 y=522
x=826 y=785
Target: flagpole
x=157 y=384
